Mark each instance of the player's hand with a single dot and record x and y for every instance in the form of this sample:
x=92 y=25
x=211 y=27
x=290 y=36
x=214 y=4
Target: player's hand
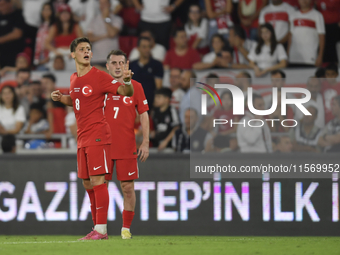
x=127 y=74
x=56 y=95
x=143 y=151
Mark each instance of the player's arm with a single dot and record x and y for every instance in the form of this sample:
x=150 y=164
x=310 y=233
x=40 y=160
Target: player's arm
x=144 y=148
x=126 y=90
x=65 y=99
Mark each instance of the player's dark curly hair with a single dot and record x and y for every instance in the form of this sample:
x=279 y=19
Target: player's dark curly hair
x=116 y=53
x=77 y=41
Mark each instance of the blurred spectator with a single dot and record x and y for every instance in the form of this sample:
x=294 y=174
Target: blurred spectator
x=131 y=17
x=158 y=51
x=46 y=21
x=314 y=87
x=59 y=63
x=12 y=115
x=243 y=81
x=330 y=10
x=55 y=110
x=276 y=126
x=222 y=132
x=165 y=119
x=8 y=144
x=181 y=56
x=192 y=97
x=267 y=55
x=329 y=140
x=278 y=78
x=37 y=123
x=306 y=134
x=307 y=36
x=320 y=73
x=11 y=33
x=147 y=71
x=175 y=86
x=156 y=16
x=277 y=13
x=218 y=11
x=248 y=12
x=190 y=137
x=32 y=95
x=71 y=127
x=215 y=58
x=254 y=139
x=283 y=144
x=197 y=29
x=103 y=32
x=22 y=61
x=330 y=89
x=62 y=34
x=84 y=12
x=241 y=46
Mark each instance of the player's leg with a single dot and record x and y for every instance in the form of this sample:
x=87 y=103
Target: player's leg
x=83 y=174
x=127 y=172
x=97 y=160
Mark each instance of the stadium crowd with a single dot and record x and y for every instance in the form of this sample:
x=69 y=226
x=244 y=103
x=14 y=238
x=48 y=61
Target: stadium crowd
x=179 y=37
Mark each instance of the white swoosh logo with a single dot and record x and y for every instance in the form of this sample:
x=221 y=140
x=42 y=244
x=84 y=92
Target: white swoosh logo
x=131 y=173
x=95 y=168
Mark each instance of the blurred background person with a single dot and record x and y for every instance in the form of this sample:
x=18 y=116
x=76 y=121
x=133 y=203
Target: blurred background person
x=12 y=114
x=329 y=139
x=283 y=144
x=8 y=144
x=306 y=41
x=197 y=29
x=190 y=137
x=175 y=86
x=254 y=139
x=47 y=17
x=148 y=71
x=306 y=134
x=37 y=122
x=267 y=55
x=181 y=56
x=103 y=32
x=158 y=51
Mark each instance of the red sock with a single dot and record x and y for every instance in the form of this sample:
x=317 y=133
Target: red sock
x=127 y=218
x=102 y=203
x=90 y=192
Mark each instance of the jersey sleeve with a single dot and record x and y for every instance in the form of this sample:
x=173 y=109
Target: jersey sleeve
x=108 y=84
x=142 y=103
x=320 y=24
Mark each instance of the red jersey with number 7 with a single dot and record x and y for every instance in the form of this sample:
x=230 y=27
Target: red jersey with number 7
x=89 y=93
x=120 y=112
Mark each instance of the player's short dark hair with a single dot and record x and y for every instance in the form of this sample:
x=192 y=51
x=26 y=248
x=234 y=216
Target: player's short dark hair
x=180 y=29
x=320 y=72
x=143 y=38
x=282 y=73
x=50 y=76
x=239 y=31
x=332 y=67
x=116 y=53
x=77 y=41
x=164 y=91
x=8 y=143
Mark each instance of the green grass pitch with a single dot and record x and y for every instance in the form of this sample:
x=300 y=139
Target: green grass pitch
x=174 y=245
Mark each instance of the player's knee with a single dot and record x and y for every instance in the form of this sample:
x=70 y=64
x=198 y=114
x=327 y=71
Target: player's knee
x=87 y=184
x=127 y=188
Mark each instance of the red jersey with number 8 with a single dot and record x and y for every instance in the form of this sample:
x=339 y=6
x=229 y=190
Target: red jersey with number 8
x=121 y=114
x=89 y=93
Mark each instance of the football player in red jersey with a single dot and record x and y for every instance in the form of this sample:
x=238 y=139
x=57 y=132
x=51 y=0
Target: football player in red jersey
x=88 y=90
x=120 y=113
